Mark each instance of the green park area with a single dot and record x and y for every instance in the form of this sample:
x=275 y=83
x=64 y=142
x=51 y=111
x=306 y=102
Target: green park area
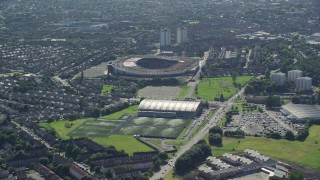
x=93 y=129
x=306 y=153
x=184 y=92
x=117 y=115
x=210 y=88
x=106 y=89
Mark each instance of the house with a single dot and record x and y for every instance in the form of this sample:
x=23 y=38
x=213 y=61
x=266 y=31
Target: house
x=4 y=174
x=46 y=172
x=76 y=172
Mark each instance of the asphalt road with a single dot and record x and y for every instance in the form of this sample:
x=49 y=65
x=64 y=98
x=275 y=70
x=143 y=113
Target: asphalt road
x=219 y=114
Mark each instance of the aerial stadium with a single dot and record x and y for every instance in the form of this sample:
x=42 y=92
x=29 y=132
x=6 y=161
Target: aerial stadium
x=149 y=66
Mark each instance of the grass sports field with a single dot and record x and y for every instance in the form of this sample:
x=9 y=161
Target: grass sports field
x=209 y=88
x=119 y=114
x=125 y=142
x=155 y=127
x=63 y=128
x=97 y=128
x=305 y=153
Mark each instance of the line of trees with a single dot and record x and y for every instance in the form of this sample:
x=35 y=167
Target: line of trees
x=215 y=136
x=195 y=155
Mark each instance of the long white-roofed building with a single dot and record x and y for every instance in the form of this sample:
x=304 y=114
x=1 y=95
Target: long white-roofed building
x=169 y=108
x=301 y=112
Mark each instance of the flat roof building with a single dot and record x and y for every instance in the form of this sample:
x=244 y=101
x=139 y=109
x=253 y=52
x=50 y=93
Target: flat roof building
x=169 y=108
x=235 y=160
x=304 y=83
x=293 y=75
x=217 y=163
x=279 y=78
x=301 y=112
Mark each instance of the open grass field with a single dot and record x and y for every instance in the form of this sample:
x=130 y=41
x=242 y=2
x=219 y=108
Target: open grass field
x=106 y=89
x=97 y=128
x=127 y=143
x=184 y=91
x=60 y=126
x=209 y=88
x=155 y=127
x=170 y=176
x=305 y=153
x=117 y=115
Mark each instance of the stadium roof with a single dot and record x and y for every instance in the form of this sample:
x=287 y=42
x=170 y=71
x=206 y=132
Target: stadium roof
x=168 y=105
x=302 y=111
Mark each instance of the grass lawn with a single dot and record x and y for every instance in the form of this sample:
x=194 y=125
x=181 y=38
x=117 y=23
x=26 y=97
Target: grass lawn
x=127 y=143
x=305 y=153
x=60 y=128
x=222 y=121
x=184 y=130
x=106 y=89
x=184 y=92
x=209 y=88
x=117 y=115
x=170 y=176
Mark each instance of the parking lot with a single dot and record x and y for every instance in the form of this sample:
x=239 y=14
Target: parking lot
x=160 y=92
x=254 y=123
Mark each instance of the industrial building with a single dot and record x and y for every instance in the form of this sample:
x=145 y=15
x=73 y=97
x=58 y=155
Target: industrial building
x=169 y=108
x=301 y=112
x=279 y=78
x=293 y=75
x=182 y=35
x=255 y=155
x=235 y=160
x=315 y=37
x=165 y=37
x=217 y=163
x=304 y=83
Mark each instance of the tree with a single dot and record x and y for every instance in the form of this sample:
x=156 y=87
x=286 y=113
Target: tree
x=216 y=130
x=196 y=154
x=273 y=101
x=215 y=139
x=95 y=112
x=289 y=136
x=234 y=77
x=249 y=90
x=44 y=161
x=221 y=98
x=295 y=175
x=81 y=77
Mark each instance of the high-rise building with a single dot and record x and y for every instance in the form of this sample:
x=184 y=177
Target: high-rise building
x=165 y=38
x=182 y=35
x=304 y=83
x=293 y=75
x=279 y=78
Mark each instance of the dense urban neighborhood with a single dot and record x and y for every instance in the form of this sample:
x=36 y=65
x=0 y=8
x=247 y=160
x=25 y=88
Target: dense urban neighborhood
x=146 y=89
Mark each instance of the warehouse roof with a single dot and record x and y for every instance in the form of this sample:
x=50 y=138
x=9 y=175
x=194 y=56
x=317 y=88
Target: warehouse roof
x=168 y=105
x=302 y=111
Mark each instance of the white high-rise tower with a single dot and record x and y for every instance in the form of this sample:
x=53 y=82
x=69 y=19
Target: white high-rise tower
x=165 y=38
x=182 y=35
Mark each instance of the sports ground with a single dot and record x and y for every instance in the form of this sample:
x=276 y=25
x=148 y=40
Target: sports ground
x=210 y=88
x=154 y=127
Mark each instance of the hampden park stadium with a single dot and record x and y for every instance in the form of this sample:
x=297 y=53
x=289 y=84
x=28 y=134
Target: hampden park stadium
x=153 y=66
